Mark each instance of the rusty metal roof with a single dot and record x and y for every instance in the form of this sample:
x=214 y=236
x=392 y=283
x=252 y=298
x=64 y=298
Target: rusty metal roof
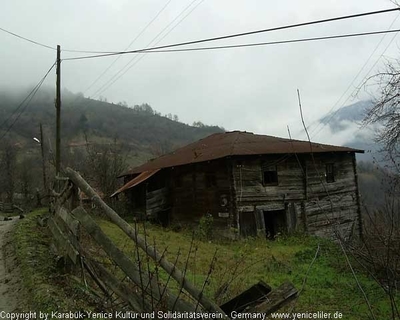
x=135 y=181
x=235 y=143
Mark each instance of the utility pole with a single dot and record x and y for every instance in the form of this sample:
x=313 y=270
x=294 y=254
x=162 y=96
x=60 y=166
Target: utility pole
x=43 y=161
x=58 y=111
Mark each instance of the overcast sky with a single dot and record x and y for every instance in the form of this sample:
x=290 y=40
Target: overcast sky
x=252 y=89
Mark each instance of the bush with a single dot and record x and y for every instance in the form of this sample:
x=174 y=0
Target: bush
x=205 y=228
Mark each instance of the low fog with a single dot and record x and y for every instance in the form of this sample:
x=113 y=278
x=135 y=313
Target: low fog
x=252 y=89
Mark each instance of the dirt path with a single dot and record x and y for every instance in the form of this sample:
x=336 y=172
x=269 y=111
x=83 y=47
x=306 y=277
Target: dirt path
x=9 y=281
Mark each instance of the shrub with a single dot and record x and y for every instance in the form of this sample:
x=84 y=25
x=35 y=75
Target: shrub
x=205 y=228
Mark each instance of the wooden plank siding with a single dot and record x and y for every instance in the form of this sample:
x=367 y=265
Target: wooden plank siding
x=157 y=200
x=200 y=189
x=310 y=203
x=332 y=207
x=250 y=190
x=232 y=190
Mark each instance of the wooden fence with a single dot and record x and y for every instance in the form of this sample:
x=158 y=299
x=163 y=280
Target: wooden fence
x=8 y=207
x=139 y=288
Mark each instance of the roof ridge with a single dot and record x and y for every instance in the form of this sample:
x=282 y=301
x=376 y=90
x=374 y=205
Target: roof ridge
x=234 y=143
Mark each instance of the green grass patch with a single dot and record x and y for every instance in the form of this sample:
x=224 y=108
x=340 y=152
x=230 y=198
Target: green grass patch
x=47 y=288
x=4 y=215
x=329 y=285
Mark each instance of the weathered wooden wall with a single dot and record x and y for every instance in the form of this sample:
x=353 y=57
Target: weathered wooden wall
x=232 y=191
x=201 y=189
x=309 y=202
x=332 y=207
x=151 y=198
x=158 y=205
x=253 y=198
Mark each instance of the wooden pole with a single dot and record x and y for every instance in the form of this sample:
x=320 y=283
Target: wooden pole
x=129 y=268
x=359 y=215
x=150 y=250
x=43 y=162
x=58 y=110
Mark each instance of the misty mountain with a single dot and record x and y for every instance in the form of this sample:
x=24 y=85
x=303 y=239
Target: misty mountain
x=349 y=120
x=140 y=128
x=353 y=113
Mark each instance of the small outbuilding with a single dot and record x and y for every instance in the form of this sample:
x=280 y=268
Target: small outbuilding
x=251 y=185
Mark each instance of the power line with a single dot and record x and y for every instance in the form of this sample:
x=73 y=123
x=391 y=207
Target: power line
x=116 y=77
x=137 y=36
x=364 y=78
x=85 y=51
x=18 y=107
x=349 y=35
x=121 y=72
x=29 y=40
x=240 y=34
x=274 y=42
x=28 y=98
x=351 y=83
x=180 y=21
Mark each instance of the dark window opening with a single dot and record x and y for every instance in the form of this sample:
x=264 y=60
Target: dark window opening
x=156 y=182
x=270 y=176
x=178 y=181
x=248 y=225
x=211 y=180
x=275 y=223
x=330 y=173
x=163 y=218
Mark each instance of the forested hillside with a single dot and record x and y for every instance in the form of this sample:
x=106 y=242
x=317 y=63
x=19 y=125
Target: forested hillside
x=138 y=126
x=98 y=138
x=94 y=131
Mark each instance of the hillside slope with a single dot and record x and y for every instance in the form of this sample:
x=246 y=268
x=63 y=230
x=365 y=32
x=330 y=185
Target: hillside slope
x=347 y=121
x=139 y=127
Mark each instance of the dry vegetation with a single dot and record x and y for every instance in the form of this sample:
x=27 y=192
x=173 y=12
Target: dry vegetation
x=329 y=286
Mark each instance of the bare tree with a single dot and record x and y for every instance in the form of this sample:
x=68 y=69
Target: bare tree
x=8 y=169
x=25 y=176
x=379 y=252
x=386 y=108
x=161 y=147
x=104 y=164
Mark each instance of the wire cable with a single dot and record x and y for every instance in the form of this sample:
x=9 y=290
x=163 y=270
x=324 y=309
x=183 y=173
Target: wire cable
x=240 y=34
x=274 y=42
x=364 y=78
x=180 y=21
x=154 y=41
x=85 y=51
x=130 y=44
x=28 y=98
x=29 y=40
x=350 y=84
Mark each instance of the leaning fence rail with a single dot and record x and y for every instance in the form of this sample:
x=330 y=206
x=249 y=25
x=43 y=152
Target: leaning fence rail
x=140 y=287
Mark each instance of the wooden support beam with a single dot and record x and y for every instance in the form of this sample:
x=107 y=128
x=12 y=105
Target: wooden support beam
x=276 y=299
x=250 y=297
x=70 y=222
x=121 y=290
x=150 y=250
x=68 y=228
x=89 y=269
x=64 y=246
x=128 y=267
x=359 y=215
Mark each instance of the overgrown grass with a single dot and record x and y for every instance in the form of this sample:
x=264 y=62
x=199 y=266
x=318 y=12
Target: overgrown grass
x=47 y=288
x=329 y=286
x=4 y=215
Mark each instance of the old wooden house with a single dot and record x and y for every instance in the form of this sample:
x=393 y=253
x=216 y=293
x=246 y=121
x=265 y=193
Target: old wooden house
x=251 y=185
